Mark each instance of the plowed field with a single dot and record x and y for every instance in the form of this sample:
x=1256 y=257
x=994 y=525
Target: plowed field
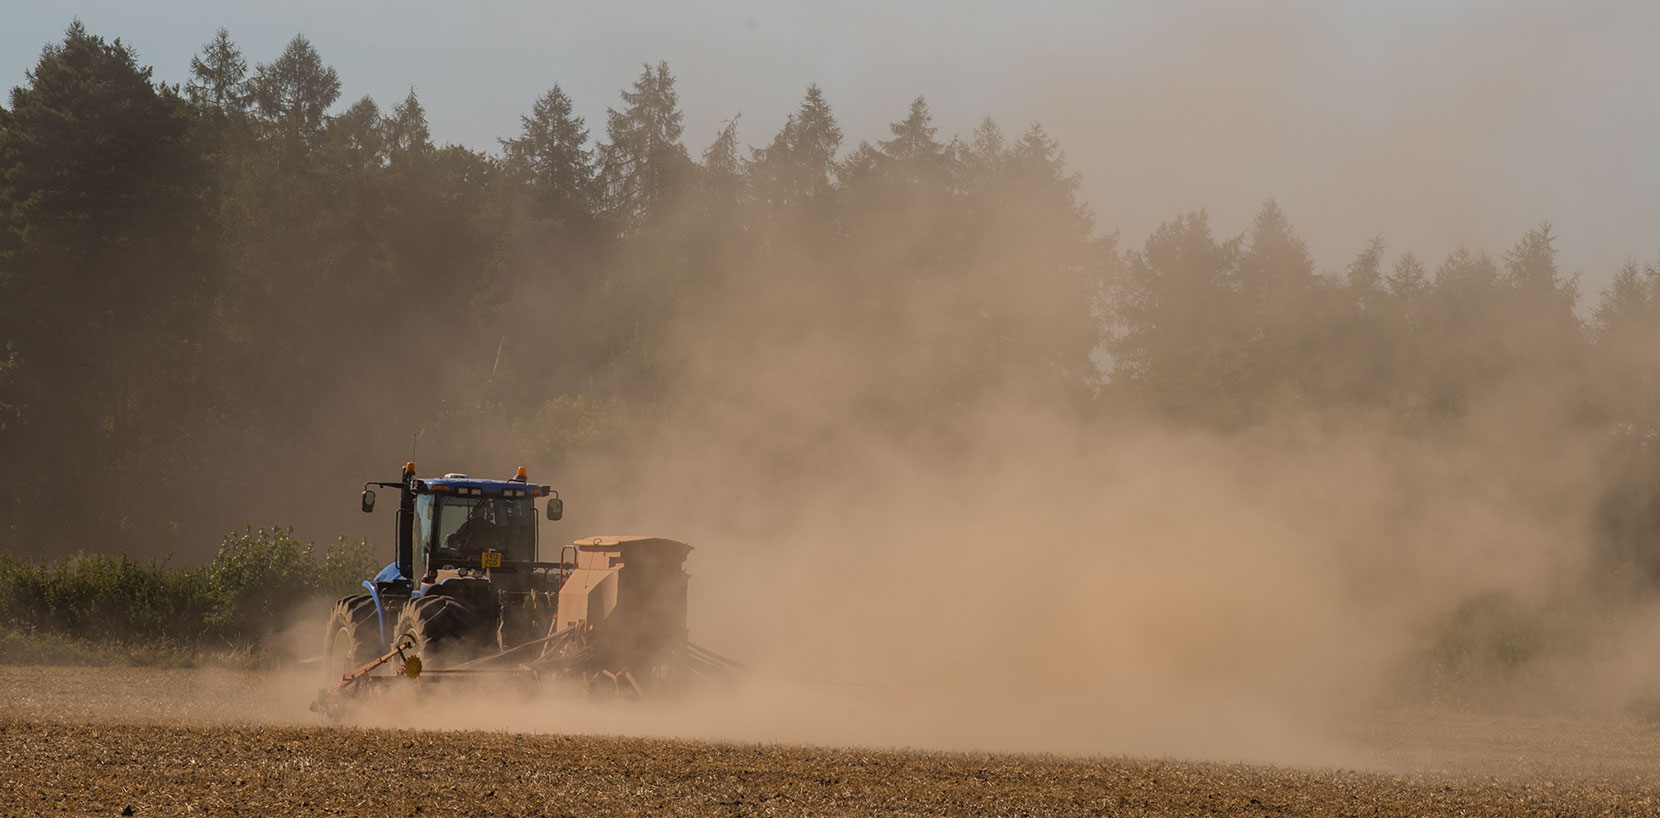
x=114 y=742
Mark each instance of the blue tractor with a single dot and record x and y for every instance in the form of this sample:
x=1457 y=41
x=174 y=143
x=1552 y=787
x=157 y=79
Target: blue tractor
x=466 y=581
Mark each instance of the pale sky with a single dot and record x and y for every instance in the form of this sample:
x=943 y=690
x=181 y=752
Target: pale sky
x=1431 y=123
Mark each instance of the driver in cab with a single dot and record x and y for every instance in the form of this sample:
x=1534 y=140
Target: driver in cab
x=475 y=536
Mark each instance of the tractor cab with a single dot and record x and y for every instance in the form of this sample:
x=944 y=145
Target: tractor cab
x=461 y=522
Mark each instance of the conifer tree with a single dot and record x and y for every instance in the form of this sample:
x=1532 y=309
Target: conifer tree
x=983 y=159
x=817 y=137
x=407 y=136
x=722 y=167
x=219 y=76
x=550 y=154
x=292 y=94
x=356 y=140
x=643 y=163
x=913 y=152
x=1407 y=279
x=800 y=162
x=103 y=298
x=1629 y=303
x=1364 y=275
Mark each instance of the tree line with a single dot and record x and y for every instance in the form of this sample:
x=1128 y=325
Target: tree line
x=208 y=288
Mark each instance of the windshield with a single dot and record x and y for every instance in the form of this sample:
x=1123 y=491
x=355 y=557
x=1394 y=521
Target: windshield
x=465 y=527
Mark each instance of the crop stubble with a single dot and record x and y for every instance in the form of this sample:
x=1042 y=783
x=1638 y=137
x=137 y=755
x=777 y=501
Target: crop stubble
x=91 y=742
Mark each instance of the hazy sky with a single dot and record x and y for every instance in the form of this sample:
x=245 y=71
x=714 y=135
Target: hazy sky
x=1432 y=123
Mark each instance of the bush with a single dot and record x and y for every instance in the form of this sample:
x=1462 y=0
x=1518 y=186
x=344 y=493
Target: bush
x=100 y=596
x=345 y=566
x=153 y=611
x=1488 y=636
x=1486 y=647
x=256 y=578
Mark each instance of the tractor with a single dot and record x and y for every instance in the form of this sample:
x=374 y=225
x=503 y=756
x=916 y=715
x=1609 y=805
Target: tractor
x=467 y=593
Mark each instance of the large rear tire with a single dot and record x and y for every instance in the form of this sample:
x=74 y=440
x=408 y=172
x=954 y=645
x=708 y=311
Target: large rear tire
x=440 y=630
x=352 y=637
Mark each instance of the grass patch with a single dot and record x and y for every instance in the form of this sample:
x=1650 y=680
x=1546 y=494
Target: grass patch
x=25 y=647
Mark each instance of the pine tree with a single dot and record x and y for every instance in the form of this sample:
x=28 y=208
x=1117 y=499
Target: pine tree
x=1466 y=276
x=1276 y=266
x=292 y=95
x=1174 y=338
x=643 y=164
x=983 y=161
x=1545 y=301
x=863 y=164
x=1629 y=305
x=1039 y=168
x=1406 y=287
x=1364 y=275
x=355 y=139
x=814 y=140
x=800 y=162
x=407 y=136
x=914 y=154
x=1407 y=279
x=219 y=76
x=773 y=169
x=103 y=297
x=722 y=168
x=1530 y=265
x=550 y=153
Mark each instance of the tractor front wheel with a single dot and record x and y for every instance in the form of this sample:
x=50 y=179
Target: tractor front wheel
x=440 y=630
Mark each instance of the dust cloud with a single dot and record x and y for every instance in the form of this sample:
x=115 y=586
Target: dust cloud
x=1024 y=576
x=1056 y=589
x=1021 y=575
x=1038 y=579
x=1060 y=589
x=1015 y=572
x=1018 y=574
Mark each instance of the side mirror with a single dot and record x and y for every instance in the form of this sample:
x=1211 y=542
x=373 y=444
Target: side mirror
x=368 y=501
x=556 y=508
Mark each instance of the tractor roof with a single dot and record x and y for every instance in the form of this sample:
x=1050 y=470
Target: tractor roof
x=472 y=487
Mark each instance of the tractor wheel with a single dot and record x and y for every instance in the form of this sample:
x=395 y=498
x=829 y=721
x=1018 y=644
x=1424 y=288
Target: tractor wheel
x=440 y=630
x=352 y=637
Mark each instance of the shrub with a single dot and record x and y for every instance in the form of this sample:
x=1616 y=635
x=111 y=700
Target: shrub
x=152 y=611
x=256 y=578
x=1488 y=636
x=345 y=566
x=1484 y=652
x=102 y=596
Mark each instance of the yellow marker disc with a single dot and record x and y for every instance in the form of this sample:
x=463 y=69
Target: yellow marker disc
x=412 y=666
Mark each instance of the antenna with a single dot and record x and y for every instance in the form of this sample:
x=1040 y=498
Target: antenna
x=412 y=440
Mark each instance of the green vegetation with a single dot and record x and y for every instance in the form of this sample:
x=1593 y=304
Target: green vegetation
x=1484 y=644
x=100 y=608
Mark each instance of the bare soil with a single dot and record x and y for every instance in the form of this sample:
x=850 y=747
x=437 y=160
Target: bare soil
x=203 y=742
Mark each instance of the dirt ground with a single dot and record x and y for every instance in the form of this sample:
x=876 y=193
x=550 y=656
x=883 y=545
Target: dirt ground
x=206 y=742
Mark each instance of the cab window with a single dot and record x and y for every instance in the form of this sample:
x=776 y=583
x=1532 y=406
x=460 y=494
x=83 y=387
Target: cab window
x=468 y=526
x=423 y=531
